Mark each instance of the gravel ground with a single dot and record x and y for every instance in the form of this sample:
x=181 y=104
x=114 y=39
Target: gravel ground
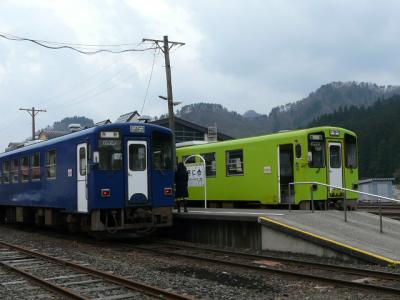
x=198 y=279
x=13 y=286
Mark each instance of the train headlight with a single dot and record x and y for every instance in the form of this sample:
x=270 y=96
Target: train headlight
x=105 y=193
x=167 y=191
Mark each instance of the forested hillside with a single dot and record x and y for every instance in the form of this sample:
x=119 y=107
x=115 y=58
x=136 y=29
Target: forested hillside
x=325 y=99
x=378 y=130
x=64 y=123
x=228 y=122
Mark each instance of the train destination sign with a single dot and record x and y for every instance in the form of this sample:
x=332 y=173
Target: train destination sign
x=196 y=174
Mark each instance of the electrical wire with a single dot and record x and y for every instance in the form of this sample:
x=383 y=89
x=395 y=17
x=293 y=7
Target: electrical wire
x=85 y=98
x=66 y=46
x=151 y=75
x=76 y=44
x=89 y=92
x=77 y=84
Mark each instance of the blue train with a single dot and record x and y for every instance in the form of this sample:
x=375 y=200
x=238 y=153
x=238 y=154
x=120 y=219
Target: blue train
x=106 y=178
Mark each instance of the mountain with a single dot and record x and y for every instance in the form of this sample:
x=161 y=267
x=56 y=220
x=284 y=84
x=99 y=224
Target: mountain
x=64 y=123
x=324 y=100
x=228 y=122
x=251 y=114
x=378 y=130
x=327 y=99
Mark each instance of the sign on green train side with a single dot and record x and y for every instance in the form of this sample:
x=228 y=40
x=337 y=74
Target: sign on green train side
x=196 y=174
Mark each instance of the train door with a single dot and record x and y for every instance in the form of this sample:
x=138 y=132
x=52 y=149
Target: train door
x=82 y=187
x=335 y=164
x=137 y=172
x=285 y=172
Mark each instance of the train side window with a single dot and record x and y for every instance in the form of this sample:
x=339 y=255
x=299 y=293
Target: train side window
x=298 y=151
x=211 y=167
x=24 y=171
x=234 y=162
x=35 y=166
x=137 y=157
x=350 y=146
x=51 y=166
x=6 y=172
x=14 y=170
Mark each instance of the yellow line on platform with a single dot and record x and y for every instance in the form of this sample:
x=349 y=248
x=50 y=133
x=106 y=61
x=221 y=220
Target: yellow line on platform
x=379 y=257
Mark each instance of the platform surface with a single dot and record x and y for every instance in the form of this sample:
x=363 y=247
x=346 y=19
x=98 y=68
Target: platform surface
x=360 y=232
x=228 y=213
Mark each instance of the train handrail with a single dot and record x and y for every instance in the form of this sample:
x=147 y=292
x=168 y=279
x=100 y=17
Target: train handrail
x=312 y=183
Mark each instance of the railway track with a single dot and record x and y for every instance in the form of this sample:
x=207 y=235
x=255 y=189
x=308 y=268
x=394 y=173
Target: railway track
x=75 y=280
x=387 y=209
x=327 y=273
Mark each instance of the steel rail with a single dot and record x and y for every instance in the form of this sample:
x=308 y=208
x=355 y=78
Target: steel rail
x=47 y=285
x=349 y=270
x=273 y=270
x=128 y=283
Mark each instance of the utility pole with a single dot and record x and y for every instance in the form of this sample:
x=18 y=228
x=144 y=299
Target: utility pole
x=165 y=49
x=33 y=112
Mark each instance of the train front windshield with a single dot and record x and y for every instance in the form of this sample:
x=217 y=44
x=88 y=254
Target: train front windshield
x=350 y=143
x=162 y=151
x=110 y=154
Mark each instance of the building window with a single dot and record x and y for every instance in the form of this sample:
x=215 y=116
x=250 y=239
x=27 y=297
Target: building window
x=35 y=166
x=185 y=134
x=14 y=170
x=211 y=166
x=24 y=169
x=6 y=172
x=234 y=162
x=51 y=164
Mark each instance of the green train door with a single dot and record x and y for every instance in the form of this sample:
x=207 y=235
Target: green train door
x=285 y=172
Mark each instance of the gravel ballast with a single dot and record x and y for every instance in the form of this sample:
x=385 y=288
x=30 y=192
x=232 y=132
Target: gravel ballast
x=184 y=276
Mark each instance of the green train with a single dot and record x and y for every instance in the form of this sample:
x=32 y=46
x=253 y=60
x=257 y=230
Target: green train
x=256 y=171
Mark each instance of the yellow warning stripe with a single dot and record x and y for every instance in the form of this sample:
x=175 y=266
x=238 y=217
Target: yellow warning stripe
x=388 y=260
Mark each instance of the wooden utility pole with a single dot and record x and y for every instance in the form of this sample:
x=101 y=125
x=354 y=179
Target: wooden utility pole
x=165 y=49
x=33 y=112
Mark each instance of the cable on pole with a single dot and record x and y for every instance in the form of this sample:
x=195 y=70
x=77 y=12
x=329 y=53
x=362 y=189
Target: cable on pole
x=67 y=46
x=148 y=84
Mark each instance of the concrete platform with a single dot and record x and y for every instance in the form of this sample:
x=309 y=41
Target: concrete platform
x=322 y=233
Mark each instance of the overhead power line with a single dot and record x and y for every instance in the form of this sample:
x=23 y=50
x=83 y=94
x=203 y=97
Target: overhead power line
x=74 y=47
x=165 y=48
x=148 y=83
x=33 y=112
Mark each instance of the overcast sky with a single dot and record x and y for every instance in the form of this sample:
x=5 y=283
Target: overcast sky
x=242 y=54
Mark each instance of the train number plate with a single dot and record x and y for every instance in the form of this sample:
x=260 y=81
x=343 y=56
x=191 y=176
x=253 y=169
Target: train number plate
x=137 y=129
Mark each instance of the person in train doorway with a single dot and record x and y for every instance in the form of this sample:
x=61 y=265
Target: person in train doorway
x=181 y=187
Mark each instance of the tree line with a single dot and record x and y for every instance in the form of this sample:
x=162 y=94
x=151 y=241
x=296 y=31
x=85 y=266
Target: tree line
x=378 y=130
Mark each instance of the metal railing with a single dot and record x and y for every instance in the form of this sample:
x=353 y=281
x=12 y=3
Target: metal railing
x=314 y=183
